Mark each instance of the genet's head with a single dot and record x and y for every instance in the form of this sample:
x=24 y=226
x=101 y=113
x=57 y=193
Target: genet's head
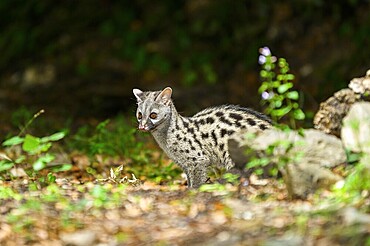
x=153 y=109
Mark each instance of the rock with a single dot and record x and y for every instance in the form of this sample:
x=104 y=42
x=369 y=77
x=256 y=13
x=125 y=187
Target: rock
x=331 y=113
x=288 y=239
x=353 y=216
x=303 y=179
x=361 y=85
x=355 y=132
x=303 y=160
x=329 y=117
x=79 y=238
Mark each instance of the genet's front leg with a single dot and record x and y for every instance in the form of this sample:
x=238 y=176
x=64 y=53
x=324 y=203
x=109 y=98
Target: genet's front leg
x=197 y=174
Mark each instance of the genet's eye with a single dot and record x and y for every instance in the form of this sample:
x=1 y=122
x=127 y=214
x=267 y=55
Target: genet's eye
x=153 y=116
x=139 y=116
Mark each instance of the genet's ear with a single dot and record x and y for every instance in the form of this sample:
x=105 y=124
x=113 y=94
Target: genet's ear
x=165 y=96
x=138 y=94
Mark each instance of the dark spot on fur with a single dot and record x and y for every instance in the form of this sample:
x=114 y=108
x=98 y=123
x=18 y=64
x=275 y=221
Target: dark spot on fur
x=191 y=130
x=213 y=134
x=191 y=144
x=223 y=132
x=251 y=121
x=194 y=159
x=198 y=142
x=262 y=126
x=249 y=111
x=204 y=135
x=226 y=121
x=219 y=114
x=202 y=122
x=186 y=124
x=210 y=120
x=222 y=147
x=236 y=116
x=198 y=154
x=187 y=151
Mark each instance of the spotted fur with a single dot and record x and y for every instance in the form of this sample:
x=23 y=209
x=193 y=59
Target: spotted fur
x=199 y=142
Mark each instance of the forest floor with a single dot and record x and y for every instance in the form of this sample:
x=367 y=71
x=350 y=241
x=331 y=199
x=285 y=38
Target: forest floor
x=121 y=190
x=76 y=210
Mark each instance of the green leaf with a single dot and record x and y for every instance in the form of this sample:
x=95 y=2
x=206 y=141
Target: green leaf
x=20 y=159
x=51 y=178
x=258 y=162
x=44 y=147
x=55 y=137
x=41 y=162
x=38 y=165
x=5 y=165
x=298 y=114
x=62 y=168
x=13 y=141
x=284 y=87
x=264 y=74
x=30 y=143
x=278 y=103
x=276 y=84
x=290 y=76
x=263 y=87
x=281 y=112
x=212 y=187
x=294 y=95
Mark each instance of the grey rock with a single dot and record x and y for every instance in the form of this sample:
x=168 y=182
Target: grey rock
x=331 y=112
x=361 y=85
x=352 y=216
x=307 y=159
x=79 y=238
x=355 y=132
x=288 y=239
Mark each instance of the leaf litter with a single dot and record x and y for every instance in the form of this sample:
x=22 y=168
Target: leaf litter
x=120 y=209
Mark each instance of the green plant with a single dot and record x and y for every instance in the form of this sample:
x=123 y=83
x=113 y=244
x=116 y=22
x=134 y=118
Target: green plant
x=35 y=150
x=34 y=154
x=230 y=178
x=276 y=89
x=109 y=138
x=274 y=158
x=355 y=188
x=117 y=138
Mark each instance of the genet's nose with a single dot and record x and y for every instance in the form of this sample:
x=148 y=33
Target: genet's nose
x=143 y=126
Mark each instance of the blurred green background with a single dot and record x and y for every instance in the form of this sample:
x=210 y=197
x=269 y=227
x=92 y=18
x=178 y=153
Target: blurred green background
x=82 y=58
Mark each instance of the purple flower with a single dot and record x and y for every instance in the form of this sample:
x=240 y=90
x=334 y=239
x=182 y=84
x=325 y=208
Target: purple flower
x=261 y=59
x=265 y=51
x=266 y=95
